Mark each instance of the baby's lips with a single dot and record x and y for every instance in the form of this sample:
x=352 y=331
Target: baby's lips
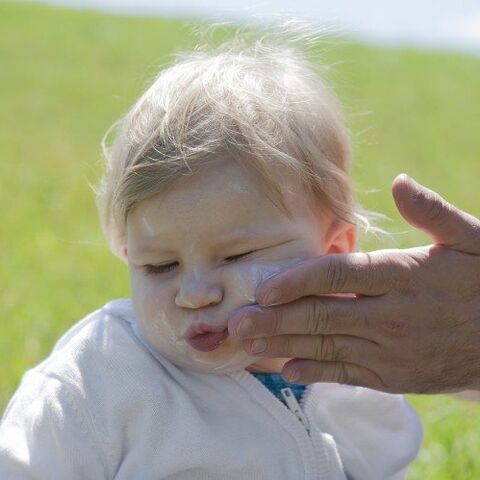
x=201 y=328
x=207 y=342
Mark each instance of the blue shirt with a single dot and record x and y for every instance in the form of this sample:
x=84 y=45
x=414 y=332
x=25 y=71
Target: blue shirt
x=275 y=382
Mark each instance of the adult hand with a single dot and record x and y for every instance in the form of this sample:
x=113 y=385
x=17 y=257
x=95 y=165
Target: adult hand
x=413 y=325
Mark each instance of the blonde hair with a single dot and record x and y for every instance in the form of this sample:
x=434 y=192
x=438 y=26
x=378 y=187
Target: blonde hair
x=259 y=102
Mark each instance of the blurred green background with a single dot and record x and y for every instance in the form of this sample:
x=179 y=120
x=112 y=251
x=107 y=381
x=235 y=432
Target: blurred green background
x=66 y=75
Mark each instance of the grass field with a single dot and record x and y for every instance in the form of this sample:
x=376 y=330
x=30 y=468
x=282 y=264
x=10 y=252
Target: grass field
x=65 y=76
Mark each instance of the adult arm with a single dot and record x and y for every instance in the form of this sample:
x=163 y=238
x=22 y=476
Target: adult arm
x=413 y=325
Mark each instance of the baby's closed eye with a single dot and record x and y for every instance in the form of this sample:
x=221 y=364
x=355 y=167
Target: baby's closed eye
x=237 y=257
x=158 y=269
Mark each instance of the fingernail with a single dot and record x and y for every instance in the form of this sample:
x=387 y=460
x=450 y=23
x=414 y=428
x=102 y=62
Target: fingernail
x=292 y=375
x=258 y=345
x=272 y=296
x=245 y=327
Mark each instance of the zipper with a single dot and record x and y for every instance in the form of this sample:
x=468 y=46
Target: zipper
x=295 y=408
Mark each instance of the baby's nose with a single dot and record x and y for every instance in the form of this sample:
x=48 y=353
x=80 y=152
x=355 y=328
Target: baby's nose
x=198 y=293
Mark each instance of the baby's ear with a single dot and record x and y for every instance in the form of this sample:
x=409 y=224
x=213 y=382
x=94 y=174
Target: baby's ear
x=122 y=251
x=340 y=237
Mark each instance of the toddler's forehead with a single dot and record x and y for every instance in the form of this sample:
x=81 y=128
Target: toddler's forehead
x=221 y=202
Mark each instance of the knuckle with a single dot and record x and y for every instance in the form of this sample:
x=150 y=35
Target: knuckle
x=337 y=274
x=392 y=270
x=318 y=319
x=324 y=348
x=273 y=326
x=342 y=354
x=405 y=272
x=363 y=271
x=342 y=374
x=288 y=346
x=373 y=271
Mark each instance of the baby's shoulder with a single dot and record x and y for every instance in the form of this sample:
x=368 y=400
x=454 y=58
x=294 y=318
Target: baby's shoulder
x=101 y=356
x=104 y=335
x=98 y=381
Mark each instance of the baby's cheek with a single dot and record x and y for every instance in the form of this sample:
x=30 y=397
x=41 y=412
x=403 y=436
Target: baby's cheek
x=151 y=300
x=156 y=302
x=242 y=279
x=142 y=289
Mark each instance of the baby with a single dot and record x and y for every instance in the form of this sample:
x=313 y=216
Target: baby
x=231 y=166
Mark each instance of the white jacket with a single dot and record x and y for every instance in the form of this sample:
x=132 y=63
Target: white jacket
x=103 y=406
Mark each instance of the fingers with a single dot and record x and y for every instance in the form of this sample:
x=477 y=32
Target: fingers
x=425 y=209
x=308 y=371
x=339 y=348
x=311 y=316
x=365 y=273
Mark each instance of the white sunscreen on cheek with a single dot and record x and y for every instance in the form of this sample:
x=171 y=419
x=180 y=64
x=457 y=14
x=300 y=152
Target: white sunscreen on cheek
x=163 y=327
x=246 y=278
x=239 y=282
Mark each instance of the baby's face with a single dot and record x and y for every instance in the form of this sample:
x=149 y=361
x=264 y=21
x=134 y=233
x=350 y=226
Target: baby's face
x=197 y=251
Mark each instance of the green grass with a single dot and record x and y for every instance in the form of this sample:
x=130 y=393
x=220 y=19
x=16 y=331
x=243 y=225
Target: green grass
x=65 y=76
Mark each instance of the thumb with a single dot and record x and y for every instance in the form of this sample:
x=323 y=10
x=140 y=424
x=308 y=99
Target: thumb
x=428 y=211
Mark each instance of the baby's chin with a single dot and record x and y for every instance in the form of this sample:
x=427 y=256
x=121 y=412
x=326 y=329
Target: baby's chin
x=227 y=358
